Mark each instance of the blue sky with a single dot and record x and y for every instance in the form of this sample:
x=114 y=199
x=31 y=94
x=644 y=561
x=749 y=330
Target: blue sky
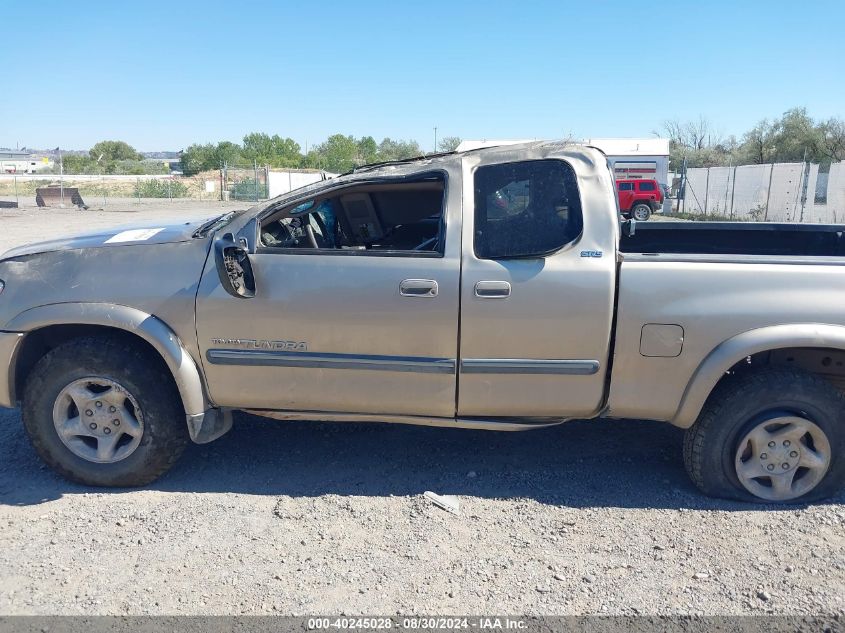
x=162 y=75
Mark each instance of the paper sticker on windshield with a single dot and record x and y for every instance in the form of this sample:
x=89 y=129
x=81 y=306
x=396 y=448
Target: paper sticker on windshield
x=135 y=235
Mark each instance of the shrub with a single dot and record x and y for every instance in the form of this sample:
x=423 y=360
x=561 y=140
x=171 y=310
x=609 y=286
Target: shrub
x=160 y=189
x=246 y=190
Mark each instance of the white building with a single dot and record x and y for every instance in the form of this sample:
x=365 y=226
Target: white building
x=636 y=157
x=630 y=157
x=13 y=161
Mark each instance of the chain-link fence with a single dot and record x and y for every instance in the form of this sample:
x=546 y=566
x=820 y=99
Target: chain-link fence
x=244 y=182
x=239 y=183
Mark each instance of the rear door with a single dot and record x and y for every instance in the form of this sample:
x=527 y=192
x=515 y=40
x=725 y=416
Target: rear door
x=647 y=190
x=538 y=275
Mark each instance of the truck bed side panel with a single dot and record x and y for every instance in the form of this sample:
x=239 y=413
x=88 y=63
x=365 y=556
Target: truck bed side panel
x=712 y=302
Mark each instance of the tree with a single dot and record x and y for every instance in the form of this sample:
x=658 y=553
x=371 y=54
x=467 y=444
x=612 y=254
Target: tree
x=696 y=142
x=338 y=153
x=367 y=150
x=832 y=134
x=793 y=137
x=110 y=151
x=76 y=164
x=690 y=135
x=796 y=137
x=448 y=144
x=228 y=153
x=389 y=149
x=313 y=160
x=757 y=144
x=197 y=158
x=271 y=150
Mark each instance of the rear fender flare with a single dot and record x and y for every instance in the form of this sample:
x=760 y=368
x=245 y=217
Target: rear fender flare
x=733 y=350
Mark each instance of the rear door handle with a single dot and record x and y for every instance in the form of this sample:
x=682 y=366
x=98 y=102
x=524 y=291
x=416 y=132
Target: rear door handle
x=418 y=288
x=492 y=289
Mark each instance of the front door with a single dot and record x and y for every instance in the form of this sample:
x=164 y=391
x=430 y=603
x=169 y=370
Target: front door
x=351 y=331
x=537 y=288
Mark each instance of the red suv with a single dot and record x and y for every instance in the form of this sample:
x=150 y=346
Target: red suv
x=639 y=198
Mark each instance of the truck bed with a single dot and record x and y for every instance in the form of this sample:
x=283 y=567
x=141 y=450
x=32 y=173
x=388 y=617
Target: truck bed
x=736 y=238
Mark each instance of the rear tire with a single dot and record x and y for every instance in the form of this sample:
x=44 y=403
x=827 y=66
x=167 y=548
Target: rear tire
x=103 y=412
x=774 y=436
x=641 y=212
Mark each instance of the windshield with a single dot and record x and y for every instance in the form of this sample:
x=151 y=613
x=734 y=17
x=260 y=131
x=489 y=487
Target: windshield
x=217 y=223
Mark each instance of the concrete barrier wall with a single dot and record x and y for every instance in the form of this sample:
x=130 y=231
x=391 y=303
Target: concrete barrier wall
x=780 y=192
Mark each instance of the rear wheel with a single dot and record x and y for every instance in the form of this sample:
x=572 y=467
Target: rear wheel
x=641 y=212
x=775 y=436
x=104 y=412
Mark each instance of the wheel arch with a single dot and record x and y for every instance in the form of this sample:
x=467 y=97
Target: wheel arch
x=69 y=320
x=732 y=352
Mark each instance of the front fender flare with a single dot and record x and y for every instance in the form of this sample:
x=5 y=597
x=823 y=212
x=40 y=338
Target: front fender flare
x=730 y=352
x=153 y=330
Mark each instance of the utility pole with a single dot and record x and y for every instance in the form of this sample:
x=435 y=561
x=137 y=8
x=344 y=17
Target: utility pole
x=435 y=139
x=61 y=177
x=733 y=192
x=805 y=177
x=102 y=178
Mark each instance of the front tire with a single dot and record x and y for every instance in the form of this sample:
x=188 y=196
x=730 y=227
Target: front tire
x=641 y=212
x=774 y=436
x=103 y=411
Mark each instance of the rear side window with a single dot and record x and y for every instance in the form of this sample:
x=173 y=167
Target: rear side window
x=626 y=186
x=525 y=209
x=646 y=186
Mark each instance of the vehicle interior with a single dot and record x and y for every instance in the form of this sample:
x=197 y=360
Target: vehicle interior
x=377 y=217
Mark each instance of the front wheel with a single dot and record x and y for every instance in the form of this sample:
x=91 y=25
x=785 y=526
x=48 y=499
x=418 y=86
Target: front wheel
x=641 y=212
x=104 y=412
x=774 y=436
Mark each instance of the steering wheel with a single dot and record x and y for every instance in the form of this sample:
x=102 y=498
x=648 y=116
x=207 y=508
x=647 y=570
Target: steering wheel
x=311 y=237
x=426 y=243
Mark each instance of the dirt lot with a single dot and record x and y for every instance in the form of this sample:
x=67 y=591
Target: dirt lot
x=589 y=517
x=31 y=224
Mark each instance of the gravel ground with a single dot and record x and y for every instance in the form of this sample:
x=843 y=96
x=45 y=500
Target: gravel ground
x=588 y=517
x=31 y=224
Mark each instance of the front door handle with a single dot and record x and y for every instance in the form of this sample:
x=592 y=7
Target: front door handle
x=418 y=288
x=492 y=289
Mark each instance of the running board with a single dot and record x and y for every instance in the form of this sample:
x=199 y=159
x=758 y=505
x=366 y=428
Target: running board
x=482 y=424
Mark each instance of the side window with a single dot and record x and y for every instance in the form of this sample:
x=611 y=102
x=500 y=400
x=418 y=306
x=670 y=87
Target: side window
x=646 y=186
x=382 y=217
x=626 y=186
x=525 y=209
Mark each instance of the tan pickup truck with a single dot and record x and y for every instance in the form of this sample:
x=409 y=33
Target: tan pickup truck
x=491 y=289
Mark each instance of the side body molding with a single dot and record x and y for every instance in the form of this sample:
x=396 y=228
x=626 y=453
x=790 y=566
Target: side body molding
x=733 y=350
x=148 y=327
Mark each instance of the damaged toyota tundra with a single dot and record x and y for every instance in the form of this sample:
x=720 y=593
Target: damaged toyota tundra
x=494 y=289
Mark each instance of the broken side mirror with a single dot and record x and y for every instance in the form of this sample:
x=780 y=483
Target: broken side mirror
x=234 y=267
